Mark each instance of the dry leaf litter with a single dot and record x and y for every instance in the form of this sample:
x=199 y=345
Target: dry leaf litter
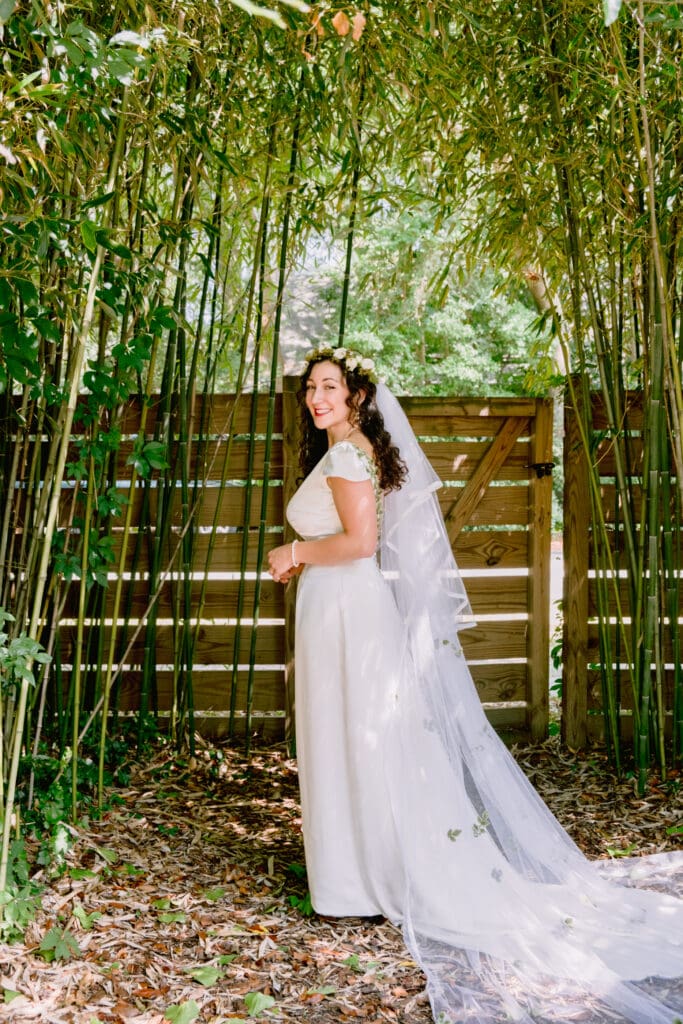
x=180 y=899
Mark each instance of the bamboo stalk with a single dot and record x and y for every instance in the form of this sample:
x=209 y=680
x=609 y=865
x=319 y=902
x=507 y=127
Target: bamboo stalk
x=80 y=625
x=284 y=243
x=257 y=282
x=78 y=358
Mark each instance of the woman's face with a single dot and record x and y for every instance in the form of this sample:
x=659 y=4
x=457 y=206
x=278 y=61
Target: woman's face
x=326 y=395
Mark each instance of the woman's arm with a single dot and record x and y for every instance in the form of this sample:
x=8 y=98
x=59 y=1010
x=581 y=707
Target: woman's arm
x=355 y=504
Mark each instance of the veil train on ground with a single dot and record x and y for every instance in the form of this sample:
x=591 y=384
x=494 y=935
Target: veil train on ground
x=503 y=912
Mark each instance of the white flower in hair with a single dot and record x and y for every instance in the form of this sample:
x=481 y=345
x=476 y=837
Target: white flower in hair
x=352 y=360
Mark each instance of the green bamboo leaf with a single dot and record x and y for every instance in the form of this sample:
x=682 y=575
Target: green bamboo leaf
x=216 y=893
x=182 y=1013
x=89 y=235
x=98 y=200
x=206 y=975
x=121 y=70
x=27 y=291
x=173 y=917
x=321 y=990
x=617 y=851
x=257 y=1003
x=110 y=856
x=85 y=919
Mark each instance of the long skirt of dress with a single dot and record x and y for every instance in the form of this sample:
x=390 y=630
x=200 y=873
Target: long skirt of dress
x=413 y=808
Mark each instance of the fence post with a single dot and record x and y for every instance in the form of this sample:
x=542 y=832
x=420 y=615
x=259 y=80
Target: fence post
x=290 y=452
x=540 y=514
x=576 y=540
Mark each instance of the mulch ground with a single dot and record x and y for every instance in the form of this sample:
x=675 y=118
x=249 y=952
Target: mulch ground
x=185 y=900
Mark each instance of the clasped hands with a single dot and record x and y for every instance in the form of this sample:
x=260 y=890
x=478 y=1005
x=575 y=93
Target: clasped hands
x=280 y=564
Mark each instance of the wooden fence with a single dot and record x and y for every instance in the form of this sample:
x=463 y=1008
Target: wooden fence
x=582 y=715
x=494 y=458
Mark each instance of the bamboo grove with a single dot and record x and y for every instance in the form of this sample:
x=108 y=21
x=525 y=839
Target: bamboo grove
x=162 y=168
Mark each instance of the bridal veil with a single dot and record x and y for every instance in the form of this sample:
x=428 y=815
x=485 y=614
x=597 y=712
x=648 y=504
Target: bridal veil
x=503 y=912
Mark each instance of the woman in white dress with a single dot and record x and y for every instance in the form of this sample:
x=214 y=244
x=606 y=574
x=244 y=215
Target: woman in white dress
x=412 y=807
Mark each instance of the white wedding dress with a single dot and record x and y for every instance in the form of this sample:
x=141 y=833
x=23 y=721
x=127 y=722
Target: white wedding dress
x=414 y=809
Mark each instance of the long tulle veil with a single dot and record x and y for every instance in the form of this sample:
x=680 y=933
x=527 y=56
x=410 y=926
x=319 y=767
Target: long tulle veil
x=505 y=915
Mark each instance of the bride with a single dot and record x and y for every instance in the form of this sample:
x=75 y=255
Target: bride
x=412 y=807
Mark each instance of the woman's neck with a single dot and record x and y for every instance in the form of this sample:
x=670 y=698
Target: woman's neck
x=344 y=432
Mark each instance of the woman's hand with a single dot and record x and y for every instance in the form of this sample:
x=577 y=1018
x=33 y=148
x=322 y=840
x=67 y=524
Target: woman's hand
x=296 y=570
x=281 y=565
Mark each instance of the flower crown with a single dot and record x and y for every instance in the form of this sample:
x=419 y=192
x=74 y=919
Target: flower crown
x=352 y=360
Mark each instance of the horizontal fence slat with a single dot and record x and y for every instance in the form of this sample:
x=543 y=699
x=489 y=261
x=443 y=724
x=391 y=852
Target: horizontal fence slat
x=623 y=591
x=471 y=410
x=605 y=459
x=214 y=645
x=220 y=598
x=455 y=460
x=498 y=595
x=209 y=460
x=495 y=640
x=223 y=550
x=224 y=414
x=504 y=506
x=500 y=683
x=617 y=647
x=492 y=549
x=229 y=501
x=211 y=690
x=625 y=689
x=633 y=419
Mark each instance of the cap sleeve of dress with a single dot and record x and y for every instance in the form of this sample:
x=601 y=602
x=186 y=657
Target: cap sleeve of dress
x=347 y=461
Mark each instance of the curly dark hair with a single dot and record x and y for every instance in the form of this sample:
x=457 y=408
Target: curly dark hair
x=390 y=466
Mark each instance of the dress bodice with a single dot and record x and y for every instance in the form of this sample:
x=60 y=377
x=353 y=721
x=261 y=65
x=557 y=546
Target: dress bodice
x=311 y=511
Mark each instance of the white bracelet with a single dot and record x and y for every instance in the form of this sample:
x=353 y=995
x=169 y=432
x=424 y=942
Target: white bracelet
x=295 y=564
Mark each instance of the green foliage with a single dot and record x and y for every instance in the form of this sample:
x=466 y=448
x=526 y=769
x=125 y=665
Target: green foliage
x=20 y=901
x=436 y=325
x=302 y=904
x=19 y=907
x=182 y=1013
x=354 y=963
x=257 y=1003
x=58 y=944
x=18 y=655
x=207 y=975
x=300 y=900
x=85 y=919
